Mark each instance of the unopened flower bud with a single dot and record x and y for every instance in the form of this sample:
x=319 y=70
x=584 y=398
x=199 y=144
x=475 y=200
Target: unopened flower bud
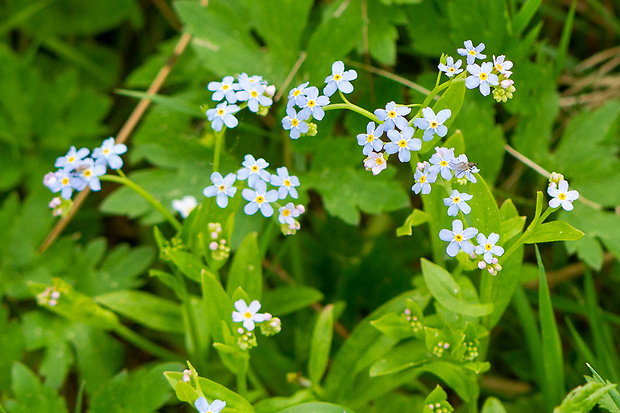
x=213 y=246
x=506 y=83
x=270 y=90
x=312 y=129
x=482 y=265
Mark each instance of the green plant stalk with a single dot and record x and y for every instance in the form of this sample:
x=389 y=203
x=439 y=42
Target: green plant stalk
x=354 y=108
x=123 y=180
x=219 y=143
x=530 y=229
x=146 y=344
x=242 y=382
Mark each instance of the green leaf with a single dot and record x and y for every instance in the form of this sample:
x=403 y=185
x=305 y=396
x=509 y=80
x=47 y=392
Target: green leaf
x=417 y=217
x=525 y=15
x=553 y=362
x=190 y=265
x=493 y=405
x=145 y=308
x=463 y=381
x=31 y=395
x=409 y=354
x=320 y=345
x=246 y=270
x=613 y=397
x=218 y=306
x=452 y=99
x=484 y=211
x=554 y=231
x=141 y=391
x=317 y=407
x=584 y=398
x=394 y=326
x=448 y=292
x=289 y=299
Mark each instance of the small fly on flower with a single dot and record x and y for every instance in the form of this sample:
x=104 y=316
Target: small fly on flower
x=461 y=168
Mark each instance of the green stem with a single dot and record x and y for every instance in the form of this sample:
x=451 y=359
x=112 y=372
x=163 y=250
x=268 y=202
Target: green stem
x=148 y=197
x=533 y=226
x=145 y=344
x=354 y=108
x=219 y=140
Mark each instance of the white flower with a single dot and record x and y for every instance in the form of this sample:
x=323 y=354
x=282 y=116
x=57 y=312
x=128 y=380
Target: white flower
x=503 y=66
x=458 y=238
x=488 y=248
x=184 y=205
x=456 y=201
x=204 y=407
x=375 y=162
x=562 y=196
x=247 y=314
x=450 y=68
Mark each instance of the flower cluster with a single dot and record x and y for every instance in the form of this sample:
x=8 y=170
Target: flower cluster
x=249 y=316
x=78 y=171
x=496 y=73
x=310 y=104
x=255 y=92
x=459 y=240
x=49 y=296
x=258 y=196
x=217 y=243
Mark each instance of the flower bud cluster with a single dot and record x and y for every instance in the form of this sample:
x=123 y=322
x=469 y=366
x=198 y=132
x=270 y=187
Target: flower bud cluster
x=174 y=244
x=471 y=350
x=440 y=347
x=50 y=296
x=442 y=407
x=251 y=89
x=217 y=243
x=416 y=324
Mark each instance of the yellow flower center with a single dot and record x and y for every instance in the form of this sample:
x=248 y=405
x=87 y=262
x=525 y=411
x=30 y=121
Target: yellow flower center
x=297 y=93
x=311 y=103
x=379 y=161
x=247 y=315
x=402 y=143
x=294 y=122
x=458 y=238
x=472 y=52
x=287 y=182
x=443 y=163
x=370 y=137
x=260 y=199
x=253 y=93
x=392 y=114
x=488 y=247
x=456 y=199
x=434 y=124
x=65 y=181
x=254 y=168
x=498 y=67
x=483 y=76
x=451 y=69
x=225 y=87
x=422 y=179
x=71 y=159
x=562 y=196
x=337 y=77
x=220 y=112
x=286 y=212
x=222 y=187
x=87 y=173
x=106 y=151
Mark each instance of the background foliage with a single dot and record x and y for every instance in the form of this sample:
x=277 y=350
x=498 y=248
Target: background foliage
x=60 y=64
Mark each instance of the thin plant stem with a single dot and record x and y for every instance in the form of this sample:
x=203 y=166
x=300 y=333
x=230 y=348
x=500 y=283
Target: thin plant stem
x=354 y=108
x=147 y=197
x=219 y=141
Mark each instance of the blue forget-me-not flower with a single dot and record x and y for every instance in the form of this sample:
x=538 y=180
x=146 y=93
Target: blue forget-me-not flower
x=472 y=52
x=339 y=79
x=310 y=103
x=253 y=170
x=487 y=247
x=393 y=115
x=370 y=140
x=108 y=154
x=451 y=68
x=286 y=183
x=402 y=143
x=482 y=77
x=221 y=189
x=458 y=238
x=433 y=124
x=223 y=115
x=204 y=407
x=456 y=201
x=295 y=122
x=260 y=199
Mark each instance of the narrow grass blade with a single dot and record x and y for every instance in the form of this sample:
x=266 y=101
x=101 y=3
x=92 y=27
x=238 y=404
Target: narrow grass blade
x=565 y=40
x=532 y=335
x=525 y=15
x=551 y=344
